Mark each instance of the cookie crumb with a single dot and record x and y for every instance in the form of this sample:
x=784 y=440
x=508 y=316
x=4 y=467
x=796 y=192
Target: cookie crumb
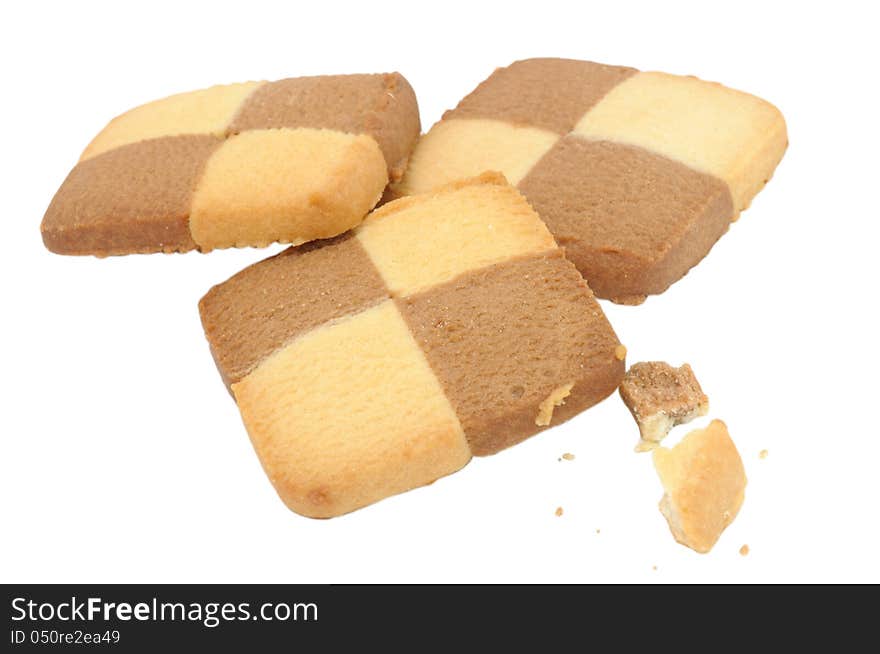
x=660 y=397
x=763 y=454
x=558 y=511
x=704 y=482
x=644 y=446
x=620 y=352
x=568 y=456
x=555 y=399
x=654 y=568
x=744 y=550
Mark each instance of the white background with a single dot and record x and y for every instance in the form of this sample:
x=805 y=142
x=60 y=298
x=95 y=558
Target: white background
x=123 y=458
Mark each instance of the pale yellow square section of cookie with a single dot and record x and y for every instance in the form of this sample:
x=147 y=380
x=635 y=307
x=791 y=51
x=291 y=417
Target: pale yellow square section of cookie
x=423 y=240
x=732 y=135
x=458 y=148
x=286 y=185
x=207 y=111
x=350 y=413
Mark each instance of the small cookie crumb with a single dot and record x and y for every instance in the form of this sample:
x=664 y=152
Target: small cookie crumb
x=555 y=399
x=568 y=456
x=644 y=446
x=558 y=511
x=763 y=454
x=744 y=550
x=654 y=568
x=620 y=352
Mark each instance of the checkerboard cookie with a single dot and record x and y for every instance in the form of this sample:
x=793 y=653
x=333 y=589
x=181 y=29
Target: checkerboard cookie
x=636 y=174
x=446 y=325
x=238 y=165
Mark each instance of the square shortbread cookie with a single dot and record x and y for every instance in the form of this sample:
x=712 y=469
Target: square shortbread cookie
x=636 y=174
x=447 y=324
x=237 y=165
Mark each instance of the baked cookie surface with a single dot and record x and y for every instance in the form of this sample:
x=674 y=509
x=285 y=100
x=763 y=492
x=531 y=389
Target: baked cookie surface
x=446 y=325
x=238 y=165
x=636 y=174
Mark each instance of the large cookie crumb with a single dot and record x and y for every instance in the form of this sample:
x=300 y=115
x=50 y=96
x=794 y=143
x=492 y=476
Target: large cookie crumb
x=705 y=481
x=660 y=397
